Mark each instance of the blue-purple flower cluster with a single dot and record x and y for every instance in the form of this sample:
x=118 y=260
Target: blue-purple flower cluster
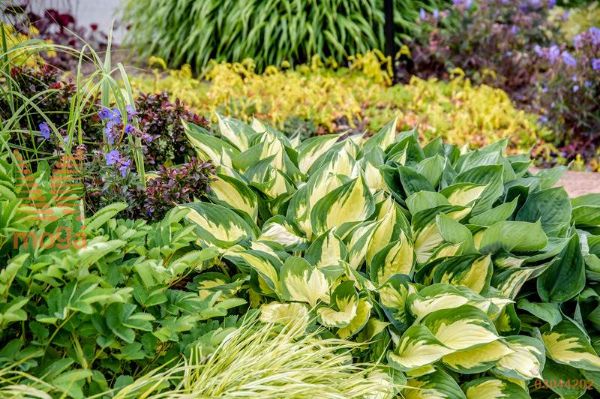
x=114 y=128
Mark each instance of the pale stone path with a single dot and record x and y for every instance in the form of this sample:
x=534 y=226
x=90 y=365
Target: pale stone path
x=579 y=183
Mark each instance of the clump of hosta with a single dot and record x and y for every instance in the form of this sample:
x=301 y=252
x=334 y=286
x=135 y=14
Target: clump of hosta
x=468 y=274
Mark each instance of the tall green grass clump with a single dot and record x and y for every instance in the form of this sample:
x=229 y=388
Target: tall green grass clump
x=270 y=31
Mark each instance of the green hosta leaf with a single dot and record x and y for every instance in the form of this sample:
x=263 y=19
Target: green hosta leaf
x=412 y=181
x=586 y=210
x=350 y=203
x=497 y=214
x=477 y=359
x=344 y=306
x=103 y=215
x=526 y=360
x=461 y=328
x=424 y=200
x=513 y=237
x=564 y=380
x=217 y=225
x=568 y=344
x=548 y=312
x=431 y=168
x=231 y=192
x=510 y=280
x=302 y=282
x=565 y=278
x=12 y=311
x=551 y=206
x=494 y=388
x=416 y=348
x=438 y=385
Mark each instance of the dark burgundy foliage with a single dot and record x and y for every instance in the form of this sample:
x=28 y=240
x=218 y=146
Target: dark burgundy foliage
x=160 y=122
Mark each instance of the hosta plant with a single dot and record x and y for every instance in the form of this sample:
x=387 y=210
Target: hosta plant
x=466 y=273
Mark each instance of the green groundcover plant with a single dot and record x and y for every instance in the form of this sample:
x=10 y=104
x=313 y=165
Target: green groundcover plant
x=465 y=272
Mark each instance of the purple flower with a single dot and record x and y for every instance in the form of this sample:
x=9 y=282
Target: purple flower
x=112 y=157
x=44 y=130
x=551 y=3
x=553 y=53
x=422 y=14
x=130 y=112
x=575 y=88
x=595 y=35
x=110 y=134
x=105 y=113
x=538 y=50
x=568 y=59
x=124 y=166
x=462 y=3
x=129 y=129
x=514 y=29
x=596 y=64
x=436 y=13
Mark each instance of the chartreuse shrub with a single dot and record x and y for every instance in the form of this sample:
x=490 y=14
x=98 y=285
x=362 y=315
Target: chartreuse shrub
x=271 y=31
x=322 y=99
x=467 y=274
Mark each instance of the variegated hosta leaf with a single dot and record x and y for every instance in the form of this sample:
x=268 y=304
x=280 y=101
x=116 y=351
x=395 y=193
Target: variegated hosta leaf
x=477 y=359
x=363 y=312
x=358 y=245
x=284 y=313
x=427 y=242
x=463 y=194
x=302 y=282
x=525 y=362
x=437 y=385
x=343 y=307
x=266 y=265
x=510 y=281
x=461 y=328
x=327 y=251
x=269 y=180
x=234 y=193
x=417 y=347
x=350 y=203
x=469 y=271
x=494 y=388
x=568 y=344
x=382 y=139
x=277 y=230
x=217 y=225
x=391 y=221
x=313 y=148
x=237 y=132
x=395 y=258
x=393 y=296
x=210 y=147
